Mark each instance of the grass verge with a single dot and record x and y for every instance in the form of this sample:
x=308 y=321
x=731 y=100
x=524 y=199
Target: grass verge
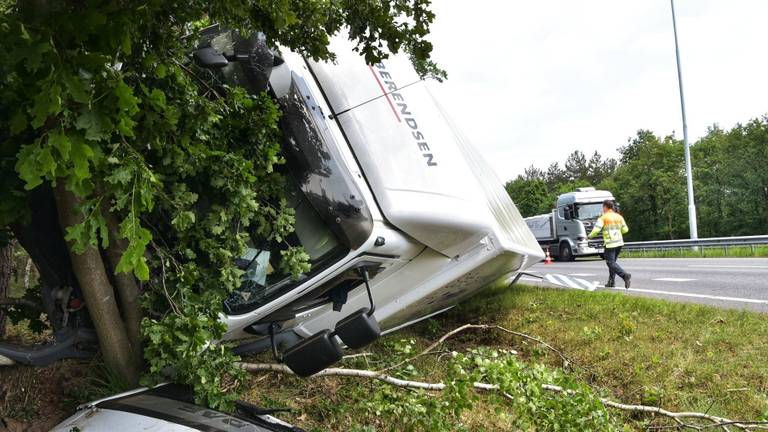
x=636 y=350
x=702 y=252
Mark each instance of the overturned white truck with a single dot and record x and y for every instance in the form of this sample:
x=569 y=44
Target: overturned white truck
x=401 y=216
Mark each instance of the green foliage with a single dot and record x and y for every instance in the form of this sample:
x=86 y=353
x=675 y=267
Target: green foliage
x=103 y=97
x=702 y=252
x=649 y=183
x=535 y=192
x=521 y=398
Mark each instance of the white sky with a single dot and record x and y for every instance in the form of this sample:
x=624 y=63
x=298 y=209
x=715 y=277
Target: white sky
x=531 y=81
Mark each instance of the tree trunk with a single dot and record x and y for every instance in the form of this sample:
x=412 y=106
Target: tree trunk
x=127 y=288
x=6 y=267
x=98 y=293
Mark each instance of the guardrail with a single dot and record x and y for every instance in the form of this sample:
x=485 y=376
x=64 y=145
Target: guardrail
x=720 y=242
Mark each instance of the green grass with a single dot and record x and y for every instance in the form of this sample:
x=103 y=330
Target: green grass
x=702 y=252
x=630 y=349
x=636 y=350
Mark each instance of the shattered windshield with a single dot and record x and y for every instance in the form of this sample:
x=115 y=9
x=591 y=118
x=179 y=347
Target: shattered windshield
x=263 y=280
x=331 y=216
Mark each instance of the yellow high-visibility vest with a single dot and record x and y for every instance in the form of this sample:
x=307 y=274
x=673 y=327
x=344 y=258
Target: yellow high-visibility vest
x=613 y=226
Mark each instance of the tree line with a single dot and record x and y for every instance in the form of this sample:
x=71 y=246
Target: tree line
x=648 y=180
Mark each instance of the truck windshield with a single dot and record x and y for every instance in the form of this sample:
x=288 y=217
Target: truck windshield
x=331 y=215
x=589 y=211
x=263 y=280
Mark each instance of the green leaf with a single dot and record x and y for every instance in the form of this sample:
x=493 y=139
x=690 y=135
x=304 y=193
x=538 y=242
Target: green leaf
x=61 y=143
x=126 y=101
x=46 y=103
x=18 y=122
x=94 y=123
x=81 y=154
x=138 y=237
x=27 y=166
x=121 y=175
x=77 y=88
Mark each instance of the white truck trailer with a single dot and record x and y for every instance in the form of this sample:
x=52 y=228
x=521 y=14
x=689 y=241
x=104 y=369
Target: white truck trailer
x=564 y=230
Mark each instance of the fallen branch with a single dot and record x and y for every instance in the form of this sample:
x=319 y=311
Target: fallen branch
x=397 y=382
x=566 y=360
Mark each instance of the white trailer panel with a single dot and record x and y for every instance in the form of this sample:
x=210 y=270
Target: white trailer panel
x=542 y=226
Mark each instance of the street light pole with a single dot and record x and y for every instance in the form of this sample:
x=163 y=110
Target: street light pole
x=688 y=172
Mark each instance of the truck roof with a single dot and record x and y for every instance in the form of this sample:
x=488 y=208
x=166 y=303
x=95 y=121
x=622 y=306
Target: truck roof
x=584 y=195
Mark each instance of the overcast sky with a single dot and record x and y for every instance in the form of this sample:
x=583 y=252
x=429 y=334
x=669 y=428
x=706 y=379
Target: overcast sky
x=531 y=81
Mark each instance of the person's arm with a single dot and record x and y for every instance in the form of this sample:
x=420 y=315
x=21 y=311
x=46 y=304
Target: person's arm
x=598 y=227
x=624 y=227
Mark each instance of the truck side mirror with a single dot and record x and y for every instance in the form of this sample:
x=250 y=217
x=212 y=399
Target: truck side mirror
x=209 y=58
x=358 y=329
x=313 y=354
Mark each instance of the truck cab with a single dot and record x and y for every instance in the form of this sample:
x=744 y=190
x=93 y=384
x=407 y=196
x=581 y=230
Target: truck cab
x=563 y=232
x=576 y=214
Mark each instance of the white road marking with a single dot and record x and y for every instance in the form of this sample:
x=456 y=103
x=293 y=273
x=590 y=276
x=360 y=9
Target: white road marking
x=728 y=266
x=530 y=279
x=563 y=280
x=706 y=296
x=673 y=279
x=581 y=274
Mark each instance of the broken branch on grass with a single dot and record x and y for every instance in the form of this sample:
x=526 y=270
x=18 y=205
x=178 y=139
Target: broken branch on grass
x=566 y=360
x=397 y=382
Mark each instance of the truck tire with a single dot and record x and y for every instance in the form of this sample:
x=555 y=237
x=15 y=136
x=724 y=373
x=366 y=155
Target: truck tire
x=566 y=253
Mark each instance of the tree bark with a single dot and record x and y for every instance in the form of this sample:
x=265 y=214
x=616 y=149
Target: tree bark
x=6 y=267
x=98 y=293
x=127 y=288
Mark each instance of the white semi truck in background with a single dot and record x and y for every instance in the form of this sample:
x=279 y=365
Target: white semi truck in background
x=564 y=230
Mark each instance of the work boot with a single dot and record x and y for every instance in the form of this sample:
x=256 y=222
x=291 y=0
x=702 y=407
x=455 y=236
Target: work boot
x=627 y=280
x=610 y=284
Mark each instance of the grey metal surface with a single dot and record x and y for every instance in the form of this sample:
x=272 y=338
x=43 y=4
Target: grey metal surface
x=738 y=283
x=686 y=144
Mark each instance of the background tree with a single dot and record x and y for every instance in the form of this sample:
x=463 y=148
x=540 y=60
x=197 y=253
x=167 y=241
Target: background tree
x=649 y=182
x=530 y=195
x=650 y=186
x=129 y=174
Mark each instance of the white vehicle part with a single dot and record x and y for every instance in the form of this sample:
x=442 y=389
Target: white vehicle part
x=427 y=179
x=149 y=410
x=541 y=226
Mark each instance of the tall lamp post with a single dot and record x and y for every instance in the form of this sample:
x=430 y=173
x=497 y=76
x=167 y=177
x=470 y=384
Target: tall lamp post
x=688 y=172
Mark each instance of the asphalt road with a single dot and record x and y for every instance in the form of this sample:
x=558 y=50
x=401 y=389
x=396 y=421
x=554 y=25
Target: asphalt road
x=740 y=283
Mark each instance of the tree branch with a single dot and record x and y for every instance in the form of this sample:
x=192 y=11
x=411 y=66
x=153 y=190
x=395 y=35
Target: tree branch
x=98 y=293
x=566 y=360
x=397 y=382
x=127 y=288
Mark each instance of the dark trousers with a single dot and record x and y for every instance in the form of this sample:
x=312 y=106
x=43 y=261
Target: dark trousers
x=611 y=255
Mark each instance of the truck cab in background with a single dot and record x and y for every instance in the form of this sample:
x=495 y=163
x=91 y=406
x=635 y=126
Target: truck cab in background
x=564 y=231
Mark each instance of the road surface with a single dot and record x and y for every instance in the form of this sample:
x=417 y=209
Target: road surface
x=725 y=282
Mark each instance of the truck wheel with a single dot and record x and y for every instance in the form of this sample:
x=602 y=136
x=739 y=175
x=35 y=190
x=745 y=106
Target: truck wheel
x=566 y=254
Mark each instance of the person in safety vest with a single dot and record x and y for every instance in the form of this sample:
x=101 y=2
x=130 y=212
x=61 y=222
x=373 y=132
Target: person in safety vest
x=613 y=226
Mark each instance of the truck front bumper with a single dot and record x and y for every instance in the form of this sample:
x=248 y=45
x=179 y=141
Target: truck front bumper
x=589 y=248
